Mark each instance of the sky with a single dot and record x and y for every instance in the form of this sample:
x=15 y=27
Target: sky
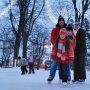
x=11 y=79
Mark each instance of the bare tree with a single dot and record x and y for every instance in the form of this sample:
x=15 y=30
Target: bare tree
x=39 y=38
x=64 y=8
x=7 y=43
x=79 y=16
x=29 y=11
x=34 y=9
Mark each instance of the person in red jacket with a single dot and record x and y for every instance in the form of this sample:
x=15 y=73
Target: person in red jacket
x=65 y=53
x=54 y=35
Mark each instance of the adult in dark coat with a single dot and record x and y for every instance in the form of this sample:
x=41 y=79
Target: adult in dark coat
x=80 y=52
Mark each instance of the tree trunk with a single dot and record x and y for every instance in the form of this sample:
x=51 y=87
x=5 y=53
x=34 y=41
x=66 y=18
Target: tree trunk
x=25 y=40
x=16 y=47
x=18 y=36
x=21 y=28
x=76 y=15
x=82 y=20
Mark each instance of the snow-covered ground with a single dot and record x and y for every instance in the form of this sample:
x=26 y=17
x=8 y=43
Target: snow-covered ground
x=11 y=79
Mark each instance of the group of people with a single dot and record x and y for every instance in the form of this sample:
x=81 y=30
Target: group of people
x=68 y=45
x=23 y=63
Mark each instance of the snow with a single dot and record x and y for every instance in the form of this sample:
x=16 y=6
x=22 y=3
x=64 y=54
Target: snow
x=11 y=79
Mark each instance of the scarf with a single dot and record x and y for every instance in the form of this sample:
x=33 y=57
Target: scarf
x=65 y=50
x=61 y=53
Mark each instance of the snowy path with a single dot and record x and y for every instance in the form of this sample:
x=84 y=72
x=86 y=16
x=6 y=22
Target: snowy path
x=10 y=79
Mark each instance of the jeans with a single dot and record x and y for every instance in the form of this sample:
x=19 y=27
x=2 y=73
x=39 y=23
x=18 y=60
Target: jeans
x=69 y=73
x=53 y=69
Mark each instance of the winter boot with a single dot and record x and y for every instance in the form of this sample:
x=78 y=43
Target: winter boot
x=81 y=81
x=64 y=83
x=50 y=79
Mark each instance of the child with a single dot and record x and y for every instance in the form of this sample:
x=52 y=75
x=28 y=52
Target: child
x=31 y=63
x=65 y=53
x=23 y=64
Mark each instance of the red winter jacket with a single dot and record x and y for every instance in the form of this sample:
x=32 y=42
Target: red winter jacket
x=54 y=37
x=65 y=57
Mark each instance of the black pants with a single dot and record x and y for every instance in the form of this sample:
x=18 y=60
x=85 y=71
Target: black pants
x=31 y=67
x=64 y=72
x=79 y=67
x=24 y=69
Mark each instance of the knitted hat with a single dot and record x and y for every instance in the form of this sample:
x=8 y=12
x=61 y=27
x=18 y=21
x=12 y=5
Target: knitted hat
x=60 y=18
